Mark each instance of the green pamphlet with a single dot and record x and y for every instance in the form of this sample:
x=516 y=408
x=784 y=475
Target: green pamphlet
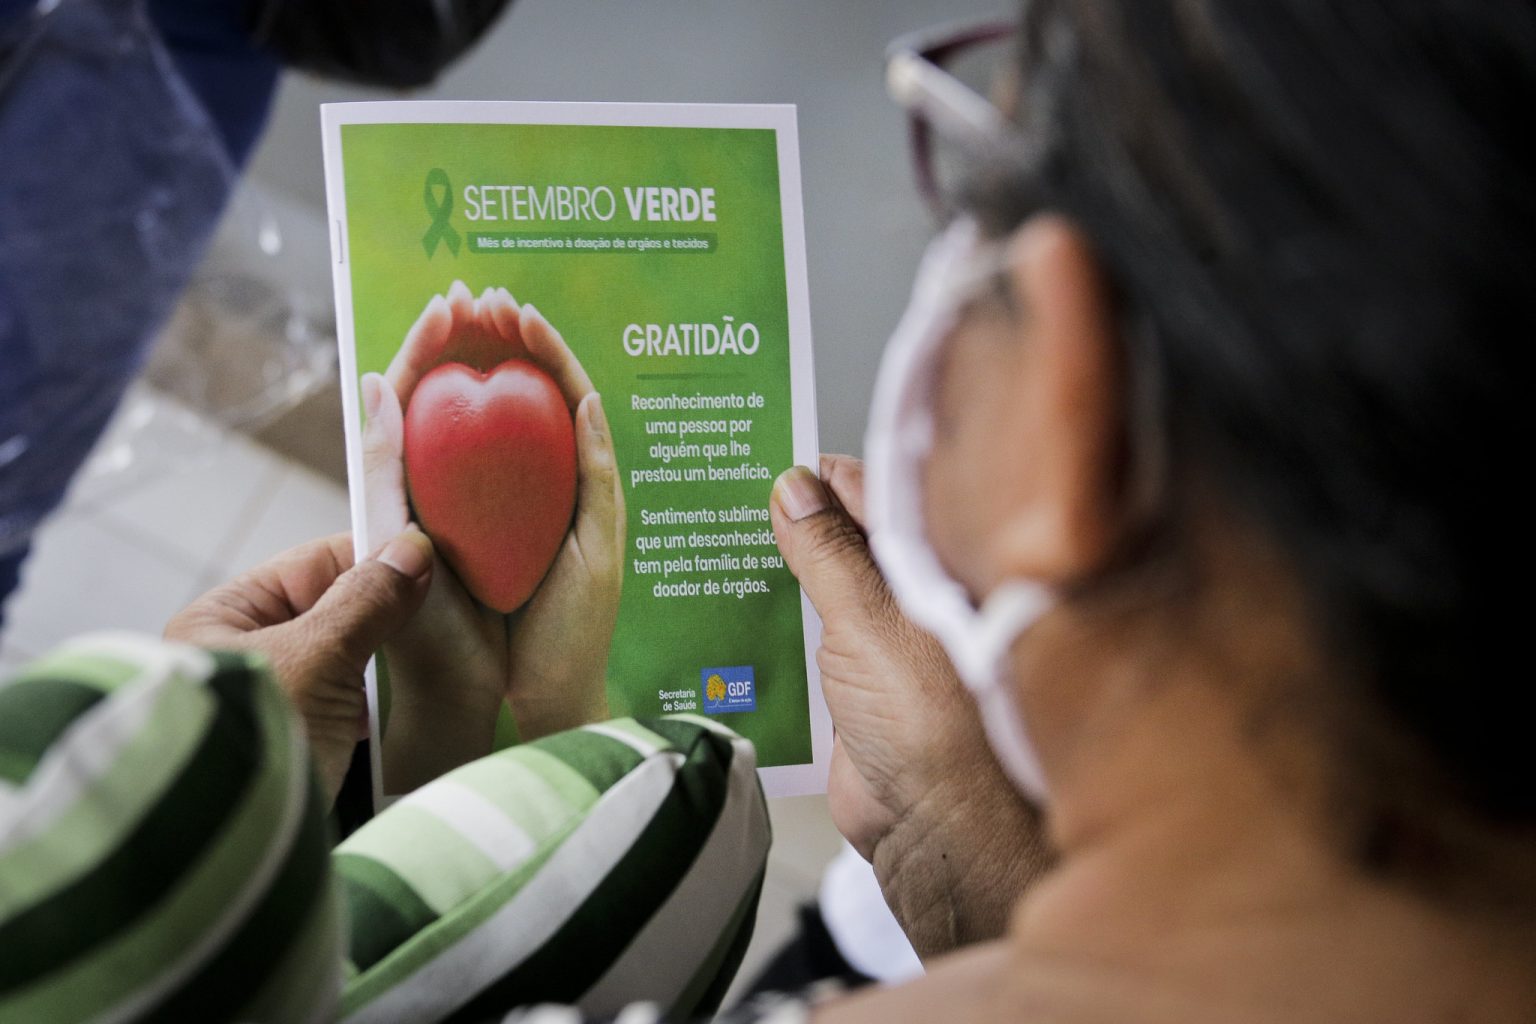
x=576 y=351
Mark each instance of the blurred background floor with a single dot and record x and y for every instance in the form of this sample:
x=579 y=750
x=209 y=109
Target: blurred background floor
x=184 y=493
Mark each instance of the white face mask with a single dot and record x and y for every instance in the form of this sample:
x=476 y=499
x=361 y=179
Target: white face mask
x=978 y=640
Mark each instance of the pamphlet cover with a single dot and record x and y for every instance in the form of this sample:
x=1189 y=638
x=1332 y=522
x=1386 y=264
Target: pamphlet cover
x=575 y=349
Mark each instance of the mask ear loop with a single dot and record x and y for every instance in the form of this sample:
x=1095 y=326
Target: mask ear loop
x=983 y=655
x=956 y=266
x=977 y=640
x=1007 y=612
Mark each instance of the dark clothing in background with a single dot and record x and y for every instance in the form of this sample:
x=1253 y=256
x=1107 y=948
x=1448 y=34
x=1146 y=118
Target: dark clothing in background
x=123 y=125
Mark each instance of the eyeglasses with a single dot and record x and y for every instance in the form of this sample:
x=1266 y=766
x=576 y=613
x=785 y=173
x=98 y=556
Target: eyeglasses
x=939 y=76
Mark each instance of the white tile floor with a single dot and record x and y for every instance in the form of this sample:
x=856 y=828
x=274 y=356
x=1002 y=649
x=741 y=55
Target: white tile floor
x=168 y=505
x=172 y=504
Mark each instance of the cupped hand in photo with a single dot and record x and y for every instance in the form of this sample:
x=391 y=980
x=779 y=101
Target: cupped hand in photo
x=458 y=660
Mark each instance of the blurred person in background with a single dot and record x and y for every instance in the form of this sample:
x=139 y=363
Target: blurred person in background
x=124 y=125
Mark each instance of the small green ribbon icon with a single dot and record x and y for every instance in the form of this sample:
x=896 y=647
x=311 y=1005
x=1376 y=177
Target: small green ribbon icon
x=439 y=207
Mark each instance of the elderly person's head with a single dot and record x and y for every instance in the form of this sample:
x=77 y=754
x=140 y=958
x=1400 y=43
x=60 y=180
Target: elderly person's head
x=1202 y=402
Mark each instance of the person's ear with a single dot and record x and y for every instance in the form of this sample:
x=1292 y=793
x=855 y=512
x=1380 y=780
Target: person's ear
x=1070 y=384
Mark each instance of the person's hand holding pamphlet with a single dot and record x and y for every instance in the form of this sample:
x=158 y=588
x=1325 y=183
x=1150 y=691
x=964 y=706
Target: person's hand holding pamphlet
x=575 y=350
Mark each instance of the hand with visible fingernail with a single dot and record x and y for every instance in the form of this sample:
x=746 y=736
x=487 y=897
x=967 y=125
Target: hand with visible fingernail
x=317 y=618
x=910 y=762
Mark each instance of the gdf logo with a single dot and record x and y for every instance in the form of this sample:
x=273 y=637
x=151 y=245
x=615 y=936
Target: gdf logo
x=728 y=689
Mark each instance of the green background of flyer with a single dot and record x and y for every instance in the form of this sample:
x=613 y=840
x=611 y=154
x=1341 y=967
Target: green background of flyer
x=659 y=644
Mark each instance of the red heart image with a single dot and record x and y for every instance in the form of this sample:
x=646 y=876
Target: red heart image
x=490 y=460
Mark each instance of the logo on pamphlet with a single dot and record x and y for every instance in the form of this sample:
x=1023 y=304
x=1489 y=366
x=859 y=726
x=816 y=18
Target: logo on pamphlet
x=727 y=689
x=437 y=193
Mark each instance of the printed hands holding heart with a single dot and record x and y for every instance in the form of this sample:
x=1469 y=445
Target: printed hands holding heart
x=502 y=414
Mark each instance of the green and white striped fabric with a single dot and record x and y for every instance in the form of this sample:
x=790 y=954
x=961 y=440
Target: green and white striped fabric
x=596 y=867
x=163 y=857
x=163 y=849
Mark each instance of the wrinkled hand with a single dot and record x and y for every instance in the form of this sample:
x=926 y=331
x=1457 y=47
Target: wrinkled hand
x=455 y=663
x=318 y=619
x=899 y=709
x=912 y=784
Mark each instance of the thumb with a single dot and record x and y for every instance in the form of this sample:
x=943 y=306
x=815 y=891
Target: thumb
x=823 y=546
x=383 y=459
x=599 y=498
x=371 y=601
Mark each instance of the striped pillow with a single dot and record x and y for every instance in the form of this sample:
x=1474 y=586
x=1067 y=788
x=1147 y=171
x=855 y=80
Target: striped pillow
x=608 y=864
x=163 y=850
